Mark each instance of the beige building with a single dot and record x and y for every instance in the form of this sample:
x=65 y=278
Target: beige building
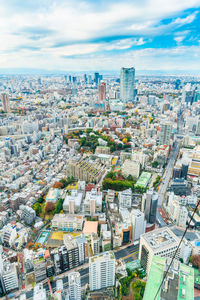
x=68 y=222
x=162 y=242
x=89 y=171
x=131 y=167
x=102 y=150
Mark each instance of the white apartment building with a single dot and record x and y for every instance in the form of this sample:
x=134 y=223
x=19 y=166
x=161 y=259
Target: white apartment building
x=74 y=286
x=95 y=243
x=81 y=242
x=93 y=202
x=162 y=242
x=102 y=270
x=72 y=202
x=178 y=212
x=9 y=235
x=125 y=198
x=9 y=276
x=28 y=214
x=110 y=197
x=138 y=224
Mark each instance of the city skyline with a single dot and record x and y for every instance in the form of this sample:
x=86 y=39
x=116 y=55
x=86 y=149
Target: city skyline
x=100 y=35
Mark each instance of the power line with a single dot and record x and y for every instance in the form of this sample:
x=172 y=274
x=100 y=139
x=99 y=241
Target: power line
x=177 y=249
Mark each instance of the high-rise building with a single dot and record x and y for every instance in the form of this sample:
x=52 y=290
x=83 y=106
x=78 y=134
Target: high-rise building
x=73 y=251
x=85 y=78
x=165 y=134
x=102 y=270
x=5 y=102
x=178 y=283
x=95 y=243
x=74 y=286
x=149 y=205
x=138 y=223
x=81 y=242
x=127 y=81
x=102 y=91
x=96 y=78
x=162 y=242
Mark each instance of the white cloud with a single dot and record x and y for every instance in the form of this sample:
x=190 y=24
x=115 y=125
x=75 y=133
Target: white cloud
x=179 y=39
x=76 y=23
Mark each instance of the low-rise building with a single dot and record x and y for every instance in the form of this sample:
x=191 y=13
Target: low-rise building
x=68 y=222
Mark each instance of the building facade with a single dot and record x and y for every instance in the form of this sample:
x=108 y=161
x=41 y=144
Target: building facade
x=127 y=81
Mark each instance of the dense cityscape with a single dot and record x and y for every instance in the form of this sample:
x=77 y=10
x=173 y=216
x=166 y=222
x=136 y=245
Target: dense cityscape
x=99 y=180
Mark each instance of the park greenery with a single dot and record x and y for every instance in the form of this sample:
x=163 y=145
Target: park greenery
x=88 y=140
x=116 y=181
x=137 y=286
x=47 y=209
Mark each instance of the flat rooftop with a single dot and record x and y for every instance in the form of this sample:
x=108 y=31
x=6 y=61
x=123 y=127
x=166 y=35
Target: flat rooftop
x=143 y=179
x=102 y=256
x=90 y=227
x=160 y=238
x=178 y=286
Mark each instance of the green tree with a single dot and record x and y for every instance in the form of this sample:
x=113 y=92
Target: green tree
x=155 y=164
x=59 y=206
x=38 y=208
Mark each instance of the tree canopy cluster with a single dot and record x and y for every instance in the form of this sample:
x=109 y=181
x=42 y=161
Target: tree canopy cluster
x=116 y=181
x=91 y=141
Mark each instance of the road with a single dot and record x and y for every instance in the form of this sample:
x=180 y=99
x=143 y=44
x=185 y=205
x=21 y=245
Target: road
x=127 y=254
x=165 y=182
x=168 y=172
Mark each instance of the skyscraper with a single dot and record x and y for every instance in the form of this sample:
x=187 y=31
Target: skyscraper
x=127 y=80
x=85 y=78
x=74 y=286
x=5 y=102
x=102 y=270
x=96 y=78
x=102 y=91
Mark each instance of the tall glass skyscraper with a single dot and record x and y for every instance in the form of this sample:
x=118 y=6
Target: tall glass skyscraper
x=127 y=81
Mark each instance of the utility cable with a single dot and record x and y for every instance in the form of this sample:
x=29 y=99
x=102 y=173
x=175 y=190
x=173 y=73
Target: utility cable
x=177 y=249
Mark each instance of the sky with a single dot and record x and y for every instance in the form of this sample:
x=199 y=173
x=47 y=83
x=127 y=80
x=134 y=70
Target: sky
x=98 y=35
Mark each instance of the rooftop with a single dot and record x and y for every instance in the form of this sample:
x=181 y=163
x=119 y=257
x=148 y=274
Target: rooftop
x=179 y=283
x=90 y=227
x=161 y=238
x=102 y=256
x=143 y=179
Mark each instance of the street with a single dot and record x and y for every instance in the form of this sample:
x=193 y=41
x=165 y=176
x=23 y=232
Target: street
x=127 y=254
